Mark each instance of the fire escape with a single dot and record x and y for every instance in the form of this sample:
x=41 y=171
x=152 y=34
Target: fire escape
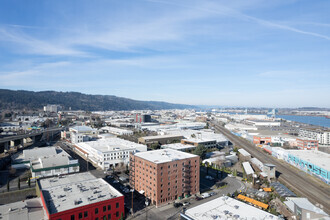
x=186 y=179
x=132 y=171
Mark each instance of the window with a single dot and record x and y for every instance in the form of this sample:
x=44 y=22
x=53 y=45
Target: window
x=96 y=211
x=104 y=208
x=85 y=214
x=72 y=217
x=117 y=205
x=104 y=217
x=80 y=215
x=117 y=214
x=109 y=207
x=96 y=218
x=109 y=216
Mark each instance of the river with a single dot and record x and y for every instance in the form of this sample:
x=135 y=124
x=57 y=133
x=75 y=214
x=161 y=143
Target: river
x=313 y=120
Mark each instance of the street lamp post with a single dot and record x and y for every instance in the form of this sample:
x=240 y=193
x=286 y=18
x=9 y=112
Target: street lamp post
x=132 y=190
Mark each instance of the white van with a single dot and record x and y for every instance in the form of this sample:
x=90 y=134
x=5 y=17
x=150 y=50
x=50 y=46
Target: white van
x=205 y=195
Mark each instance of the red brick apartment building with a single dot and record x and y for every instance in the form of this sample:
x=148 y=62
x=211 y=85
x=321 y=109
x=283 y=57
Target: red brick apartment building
x=164 y=175
x=80 y=196
x=307 y=144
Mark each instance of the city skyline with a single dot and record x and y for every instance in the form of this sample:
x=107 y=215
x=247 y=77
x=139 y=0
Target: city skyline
x=240 y=53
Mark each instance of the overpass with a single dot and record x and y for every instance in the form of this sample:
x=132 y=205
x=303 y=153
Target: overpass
x=11 y=141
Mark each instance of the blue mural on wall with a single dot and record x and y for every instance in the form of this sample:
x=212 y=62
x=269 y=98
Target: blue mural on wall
x=310 y=168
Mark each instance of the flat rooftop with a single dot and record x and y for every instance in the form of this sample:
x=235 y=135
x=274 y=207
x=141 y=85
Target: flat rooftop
x=178 y=146
x=161 y=137
x=164 y=155
x=75 y=190
x=227 y=208
x=244 y=152
x=111 y=144
x=198 y=134
x=27 y=209
x=36 y=153
x=317 y=158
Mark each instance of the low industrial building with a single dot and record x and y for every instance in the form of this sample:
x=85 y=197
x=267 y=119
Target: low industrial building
x=160 y=139
x=208 y=143
x=244 y=155
x=262 y=140
x=226 y=208
x=282 y=190
x=247 y=168
x=164 y=175
x=80 y=196
x=202 y=135
x=304 y=209
x=179 y=146
x=116 y=131
x=110 y=152
x=315 y=163
x=26 y=209
x=45 y=162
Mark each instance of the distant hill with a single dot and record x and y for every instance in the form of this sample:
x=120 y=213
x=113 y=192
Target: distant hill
x=21 y=99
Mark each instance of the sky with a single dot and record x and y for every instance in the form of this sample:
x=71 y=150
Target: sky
x=255 y=53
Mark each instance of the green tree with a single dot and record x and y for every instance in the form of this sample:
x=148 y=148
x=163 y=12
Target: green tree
x=200 y=150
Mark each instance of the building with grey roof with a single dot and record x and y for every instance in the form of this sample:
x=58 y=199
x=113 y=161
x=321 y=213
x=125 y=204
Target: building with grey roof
x=303 y=209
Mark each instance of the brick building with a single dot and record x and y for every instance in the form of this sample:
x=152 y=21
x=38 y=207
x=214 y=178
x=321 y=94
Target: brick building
x=80 y=196
x=307 y=144
x=164 y=175
x=262 y=140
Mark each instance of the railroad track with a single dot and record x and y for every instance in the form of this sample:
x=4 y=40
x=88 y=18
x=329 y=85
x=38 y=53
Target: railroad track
x=317 y=193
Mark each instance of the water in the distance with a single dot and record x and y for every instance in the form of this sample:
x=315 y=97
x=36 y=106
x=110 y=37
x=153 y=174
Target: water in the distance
x=313 y=120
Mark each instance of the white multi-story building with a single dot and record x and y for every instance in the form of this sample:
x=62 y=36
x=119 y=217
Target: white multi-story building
x=110 y=152
x=52 y=108
x=323 y=136
x=82 y=133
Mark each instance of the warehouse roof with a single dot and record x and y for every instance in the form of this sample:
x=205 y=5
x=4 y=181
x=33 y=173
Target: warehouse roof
x=282 y=190
x=26 y=209
x=317 y=158
x=226 y=208
x=178 y=146
x=304 y=204
x=164 y=155
x=111 y=144
x=244 y=152
x=76 y=190
x=248 y=169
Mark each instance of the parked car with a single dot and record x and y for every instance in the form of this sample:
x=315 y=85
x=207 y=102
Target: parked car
x=198 y=198
x=213 y=193
x=115 y=181
x=186 y=203
x=177 y=204
x=209 y=178
x=205 y=195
